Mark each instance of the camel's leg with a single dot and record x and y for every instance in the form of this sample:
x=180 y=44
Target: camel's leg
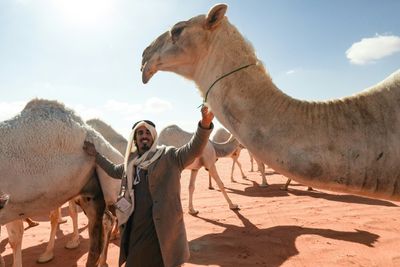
x=193 y=175
x=261 y=168
x=15 y=231
x=233 y=168
x=240 y=168
x=48 y=254
x=108 y=224
x=73 y=213
x=251 y=162
x=94 y=209
x=210 y=186
x=61 y=220
x=286 y=186
x=31 y=223
x=214 y=174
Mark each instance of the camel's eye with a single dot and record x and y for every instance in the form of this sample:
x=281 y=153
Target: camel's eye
x=176 y=32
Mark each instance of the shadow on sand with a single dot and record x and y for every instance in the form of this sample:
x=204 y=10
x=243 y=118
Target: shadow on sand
x=250 y=246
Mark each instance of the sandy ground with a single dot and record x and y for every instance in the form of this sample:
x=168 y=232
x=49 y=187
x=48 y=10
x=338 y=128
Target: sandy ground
x=272 y=227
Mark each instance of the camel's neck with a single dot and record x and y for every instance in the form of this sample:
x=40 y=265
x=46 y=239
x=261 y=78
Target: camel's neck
x=227 y=148
x=330 y=145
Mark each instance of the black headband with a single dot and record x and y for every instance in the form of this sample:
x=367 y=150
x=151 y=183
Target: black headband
x=146 y=121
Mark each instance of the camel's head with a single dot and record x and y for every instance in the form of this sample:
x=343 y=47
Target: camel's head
x=180 y=49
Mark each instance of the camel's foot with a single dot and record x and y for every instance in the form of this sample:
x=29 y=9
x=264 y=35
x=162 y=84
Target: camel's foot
x=73 y=243
x=310 y=189
x=244 y=177
x=284 y=188
x=211 y=187
x=45 y=257
x=4 y=198
x=234 y=207
x=263 y=185
x=233 y=180
x=31 y=223
x=193 y=212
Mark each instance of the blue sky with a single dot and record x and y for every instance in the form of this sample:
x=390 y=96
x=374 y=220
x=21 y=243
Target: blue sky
x=87 y=53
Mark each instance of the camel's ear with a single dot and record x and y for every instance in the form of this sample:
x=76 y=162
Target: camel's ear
x=215 y=16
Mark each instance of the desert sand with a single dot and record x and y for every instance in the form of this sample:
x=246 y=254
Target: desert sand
x=272 y=227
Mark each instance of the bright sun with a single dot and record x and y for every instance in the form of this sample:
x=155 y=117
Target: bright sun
x=85 y=13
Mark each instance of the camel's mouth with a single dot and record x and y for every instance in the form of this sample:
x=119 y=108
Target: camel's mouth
x=147 y=72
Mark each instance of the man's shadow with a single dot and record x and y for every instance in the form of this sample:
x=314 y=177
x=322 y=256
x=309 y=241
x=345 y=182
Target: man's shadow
x=248 y=245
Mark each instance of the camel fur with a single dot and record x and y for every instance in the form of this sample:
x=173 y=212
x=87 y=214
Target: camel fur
x=41 y=151
x=174 y=136
x=347 y=145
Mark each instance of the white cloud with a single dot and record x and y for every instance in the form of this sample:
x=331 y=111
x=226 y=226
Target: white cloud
x=10 y=109
x=371 y=49
x=86 y=112
x=132 y=111
x=290 y=72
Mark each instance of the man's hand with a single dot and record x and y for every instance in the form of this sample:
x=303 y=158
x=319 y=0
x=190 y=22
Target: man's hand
x=206 y=117
x=89 y=148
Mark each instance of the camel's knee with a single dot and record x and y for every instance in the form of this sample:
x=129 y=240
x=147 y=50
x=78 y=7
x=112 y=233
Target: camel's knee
x=4 y=198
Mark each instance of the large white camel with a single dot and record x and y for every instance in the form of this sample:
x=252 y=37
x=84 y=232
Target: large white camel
x=119 y=143
x=174 y=136
x=348 y=145
x=41 y=152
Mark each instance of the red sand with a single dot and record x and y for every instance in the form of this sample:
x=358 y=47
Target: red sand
x=272 y=227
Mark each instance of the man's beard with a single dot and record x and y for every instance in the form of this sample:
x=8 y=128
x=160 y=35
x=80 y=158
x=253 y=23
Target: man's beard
x=145 y=147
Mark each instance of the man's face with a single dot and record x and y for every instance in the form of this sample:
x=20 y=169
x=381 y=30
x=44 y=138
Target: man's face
x=143 y=139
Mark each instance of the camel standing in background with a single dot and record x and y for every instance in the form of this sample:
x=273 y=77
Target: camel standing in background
x=174 y=136
x=222 y=135
x=58 y=171
x=347 y=145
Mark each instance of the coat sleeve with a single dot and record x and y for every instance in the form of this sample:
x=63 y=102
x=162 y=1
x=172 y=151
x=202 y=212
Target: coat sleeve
x=114 y=170
x=188 y=153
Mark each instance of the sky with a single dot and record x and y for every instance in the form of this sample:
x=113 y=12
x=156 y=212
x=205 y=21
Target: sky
x=87 y=53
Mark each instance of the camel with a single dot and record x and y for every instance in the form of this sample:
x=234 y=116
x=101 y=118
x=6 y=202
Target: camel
x=223 y=135
x=55 y=174
x=174 y=136
x=346 y=145
x=113 y=137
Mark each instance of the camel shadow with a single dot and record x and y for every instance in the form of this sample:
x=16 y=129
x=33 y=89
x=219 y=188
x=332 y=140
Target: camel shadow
x=275 y=190
x=69 y=257
x=250 y=246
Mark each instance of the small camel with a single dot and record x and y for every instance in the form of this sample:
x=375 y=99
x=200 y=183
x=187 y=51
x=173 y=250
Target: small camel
x=223 y=135
x=58 y=171
x=174 y=136
x=348 y=145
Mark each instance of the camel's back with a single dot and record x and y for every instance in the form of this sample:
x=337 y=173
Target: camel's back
x=116 y=140
x=221 y=135
x=41 y=152
x=174 y=136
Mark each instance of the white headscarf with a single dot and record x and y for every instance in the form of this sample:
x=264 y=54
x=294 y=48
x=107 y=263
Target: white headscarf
x=153 y=153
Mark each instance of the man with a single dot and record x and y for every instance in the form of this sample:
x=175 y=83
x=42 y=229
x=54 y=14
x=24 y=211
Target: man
x=151 y=219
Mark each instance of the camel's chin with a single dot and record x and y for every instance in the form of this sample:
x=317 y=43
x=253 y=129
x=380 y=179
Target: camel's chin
x=147 y=73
